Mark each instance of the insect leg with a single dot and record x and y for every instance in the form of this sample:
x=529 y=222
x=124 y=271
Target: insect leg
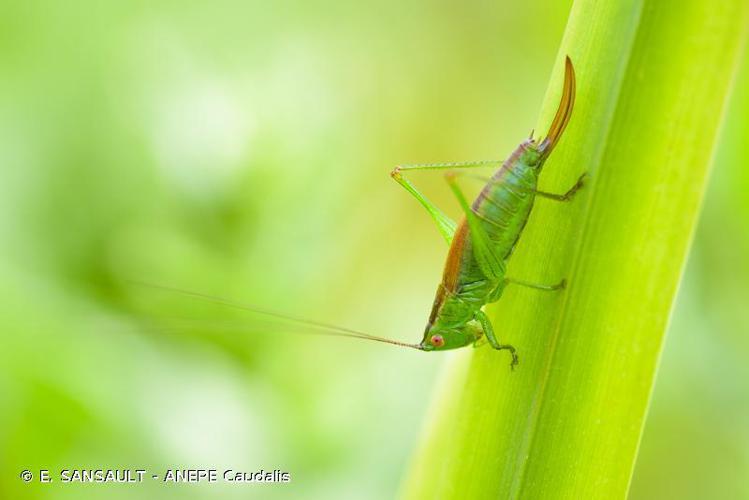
x=551 y=196
x=566 y=196
x=489 y=262
x=445 y=225
x=480 y=342
x=489 y=332
x=536 y=286
x=449 y=165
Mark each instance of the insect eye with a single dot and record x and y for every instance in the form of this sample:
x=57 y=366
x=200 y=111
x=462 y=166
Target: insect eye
x=437 y=341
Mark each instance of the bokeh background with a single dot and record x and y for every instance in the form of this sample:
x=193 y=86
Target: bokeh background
x=242 y=149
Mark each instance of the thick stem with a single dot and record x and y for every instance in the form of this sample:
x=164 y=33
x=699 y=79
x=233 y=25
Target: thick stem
x=653 y=77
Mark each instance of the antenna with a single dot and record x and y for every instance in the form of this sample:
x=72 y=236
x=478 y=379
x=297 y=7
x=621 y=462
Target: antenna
x=324 y=328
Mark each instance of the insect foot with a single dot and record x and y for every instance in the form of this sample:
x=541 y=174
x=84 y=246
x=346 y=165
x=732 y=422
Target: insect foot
x=574 y=189
x=515 y=359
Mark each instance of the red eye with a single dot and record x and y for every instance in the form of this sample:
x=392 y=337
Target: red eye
x=437 y=341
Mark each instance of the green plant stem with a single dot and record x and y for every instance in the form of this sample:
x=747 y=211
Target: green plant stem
x=653 y=77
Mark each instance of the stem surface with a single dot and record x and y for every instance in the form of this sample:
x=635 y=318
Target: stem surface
x=652 y=81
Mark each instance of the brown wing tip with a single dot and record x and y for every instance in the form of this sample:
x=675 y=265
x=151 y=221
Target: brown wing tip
x=564 y=112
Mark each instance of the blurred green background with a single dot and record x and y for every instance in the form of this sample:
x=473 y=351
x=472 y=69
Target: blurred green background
x=242 y=149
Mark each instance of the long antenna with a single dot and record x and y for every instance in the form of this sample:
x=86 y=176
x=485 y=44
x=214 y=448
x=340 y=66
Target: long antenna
x=326 y=328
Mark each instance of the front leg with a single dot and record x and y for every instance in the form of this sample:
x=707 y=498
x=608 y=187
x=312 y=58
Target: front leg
x=482 y=318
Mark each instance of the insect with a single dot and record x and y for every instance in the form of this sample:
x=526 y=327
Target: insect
x=483 y=241
x=481 y=244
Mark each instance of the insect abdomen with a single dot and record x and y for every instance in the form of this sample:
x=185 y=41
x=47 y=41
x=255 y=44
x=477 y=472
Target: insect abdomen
x=505 y=204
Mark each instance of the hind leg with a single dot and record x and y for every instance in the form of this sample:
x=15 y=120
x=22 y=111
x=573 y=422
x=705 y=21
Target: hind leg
x=445 y=225
x=491 y=264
